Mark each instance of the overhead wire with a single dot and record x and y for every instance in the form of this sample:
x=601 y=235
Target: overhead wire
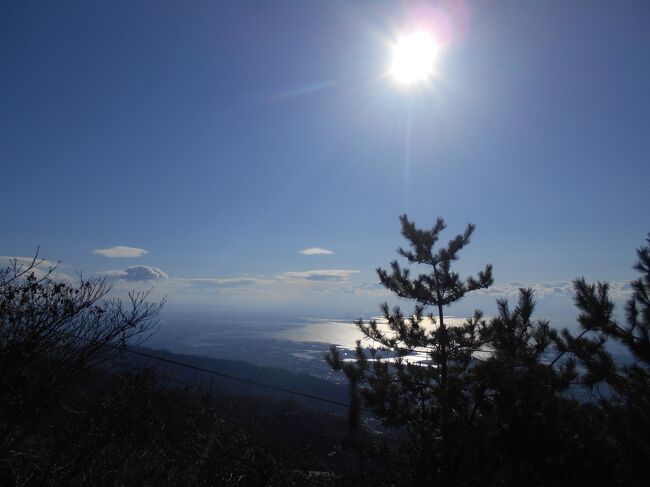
x=141 y=353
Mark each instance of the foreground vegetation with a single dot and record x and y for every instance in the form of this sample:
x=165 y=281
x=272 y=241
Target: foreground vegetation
x=504 y=401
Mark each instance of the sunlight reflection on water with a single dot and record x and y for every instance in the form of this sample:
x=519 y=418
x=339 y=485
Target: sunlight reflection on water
x=341 y=333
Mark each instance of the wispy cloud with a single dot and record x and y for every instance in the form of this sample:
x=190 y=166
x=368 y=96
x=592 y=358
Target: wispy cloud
x=7 y=260
x=365 y=289
x=316 y=251
x=136 y=273
x=618 y=289
x=302 y=90
x=43 y=267
x=220 y=283
x=121 y=252
x=323 y=275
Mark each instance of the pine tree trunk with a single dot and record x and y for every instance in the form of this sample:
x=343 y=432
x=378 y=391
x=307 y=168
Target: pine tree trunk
x=444 y=408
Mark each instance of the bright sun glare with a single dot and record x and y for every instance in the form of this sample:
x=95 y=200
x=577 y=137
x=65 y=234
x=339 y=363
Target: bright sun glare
x=414 y=56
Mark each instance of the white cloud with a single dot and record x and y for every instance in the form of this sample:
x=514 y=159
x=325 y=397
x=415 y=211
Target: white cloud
x=121 y=251
x=365 y=289
x=316 y=251
x=136 y=273
x=324 y=275
x=225 y=282
x=7 y=260
x=42 y=267
x=618 y=289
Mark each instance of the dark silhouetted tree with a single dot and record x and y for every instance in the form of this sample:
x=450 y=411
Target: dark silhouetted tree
x=528 y=430
x=490 y=405
x=51 y=334
x=625 y=402
x=433 y=401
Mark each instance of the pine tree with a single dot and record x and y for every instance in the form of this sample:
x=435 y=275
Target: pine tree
x=432 y=399
x=528 y=423
x=491 y=404
x=625 y=403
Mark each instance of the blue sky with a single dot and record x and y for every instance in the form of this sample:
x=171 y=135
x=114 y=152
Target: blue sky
x=225 y=137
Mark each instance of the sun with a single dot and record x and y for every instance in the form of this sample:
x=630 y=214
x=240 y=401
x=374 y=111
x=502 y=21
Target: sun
x=413 y=58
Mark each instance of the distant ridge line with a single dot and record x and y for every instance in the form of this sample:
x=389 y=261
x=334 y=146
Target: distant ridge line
x=125 y=348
